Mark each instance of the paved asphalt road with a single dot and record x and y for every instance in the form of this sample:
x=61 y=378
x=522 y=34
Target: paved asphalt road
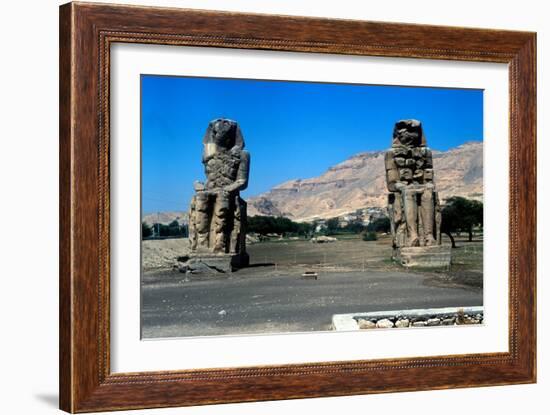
x=173 y=305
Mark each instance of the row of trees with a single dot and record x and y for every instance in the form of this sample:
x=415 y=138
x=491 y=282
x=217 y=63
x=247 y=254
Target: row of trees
x=381 y=225
x=173 y=229
x=264 y=225
x=458 y=215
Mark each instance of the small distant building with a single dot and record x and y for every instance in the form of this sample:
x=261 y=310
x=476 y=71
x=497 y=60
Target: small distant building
x=320 y=227
x=343 y=223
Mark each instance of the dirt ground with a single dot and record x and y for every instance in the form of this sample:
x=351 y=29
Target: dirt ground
x=347 y=254
x=162 y=253
x=270 y=296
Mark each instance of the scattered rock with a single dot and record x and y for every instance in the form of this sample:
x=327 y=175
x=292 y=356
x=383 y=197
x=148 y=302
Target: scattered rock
x=323 y=239
x=222 y=313
x=402 y=323
x=252 y=238
x=182 y=267
x=366 y=324
x=163 y=253
x=403 y=320
x=384 y=324
x=215 y=265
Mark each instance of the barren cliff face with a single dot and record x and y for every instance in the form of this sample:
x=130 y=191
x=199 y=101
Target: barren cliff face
x=360 y=182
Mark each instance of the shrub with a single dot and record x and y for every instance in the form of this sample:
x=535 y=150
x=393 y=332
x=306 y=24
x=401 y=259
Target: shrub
x=370 y=236
x=380 y=225
x=146 y=230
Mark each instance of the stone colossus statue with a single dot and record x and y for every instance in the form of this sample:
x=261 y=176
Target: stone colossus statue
x=217 y=218
x=413 y=203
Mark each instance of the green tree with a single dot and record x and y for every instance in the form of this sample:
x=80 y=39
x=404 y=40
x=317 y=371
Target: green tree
x=332 y=226
x=380 y=225
x=370 y=236
x=264 y=225
x=146 y=230
x=174 y=228
x=304 y=228
x=354 y=227
x=161 y=230
x=461 y=215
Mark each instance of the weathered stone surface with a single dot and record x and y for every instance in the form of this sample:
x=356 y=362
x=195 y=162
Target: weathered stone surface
x=437 y=256
x=410 y=318
x=213 y=263
x=217 y=217
x=413 y=203
x=402 y=323
x=384 y=324
x=366 y=324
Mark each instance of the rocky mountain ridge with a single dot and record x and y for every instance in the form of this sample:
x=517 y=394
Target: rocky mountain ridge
x=360 y=182
x=165 y=217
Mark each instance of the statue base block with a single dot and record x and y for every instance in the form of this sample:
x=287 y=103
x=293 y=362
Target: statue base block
x=208 y=263
x=437 y=256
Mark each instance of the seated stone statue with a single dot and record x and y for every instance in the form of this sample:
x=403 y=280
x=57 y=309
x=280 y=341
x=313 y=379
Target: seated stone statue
x=217 y=217
x=413 y=203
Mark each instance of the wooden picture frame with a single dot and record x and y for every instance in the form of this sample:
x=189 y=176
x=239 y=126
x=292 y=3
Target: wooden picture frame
x=86 y=33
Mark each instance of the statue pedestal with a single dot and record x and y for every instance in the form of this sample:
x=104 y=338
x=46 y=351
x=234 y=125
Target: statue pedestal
x=209 y=263
x=437 y=256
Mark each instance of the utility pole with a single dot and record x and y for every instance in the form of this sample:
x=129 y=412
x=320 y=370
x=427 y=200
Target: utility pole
x=158 y=224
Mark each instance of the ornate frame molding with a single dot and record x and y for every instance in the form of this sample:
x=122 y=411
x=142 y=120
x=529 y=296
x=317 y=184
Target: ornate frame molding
x=86 y=33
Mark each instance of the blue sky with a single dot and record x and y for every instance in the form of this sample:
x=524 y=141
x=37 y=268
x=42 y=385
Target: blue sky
x=291 y=129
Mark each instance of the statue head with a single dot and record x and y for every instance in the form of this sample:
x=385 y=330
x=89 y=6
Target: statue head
x=224 y=133
x=408 y=133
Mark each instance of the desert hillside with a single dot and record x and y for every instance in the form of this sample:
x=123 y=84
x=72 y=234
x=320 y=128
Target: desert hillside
x=165 y=218
x=360 y=182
